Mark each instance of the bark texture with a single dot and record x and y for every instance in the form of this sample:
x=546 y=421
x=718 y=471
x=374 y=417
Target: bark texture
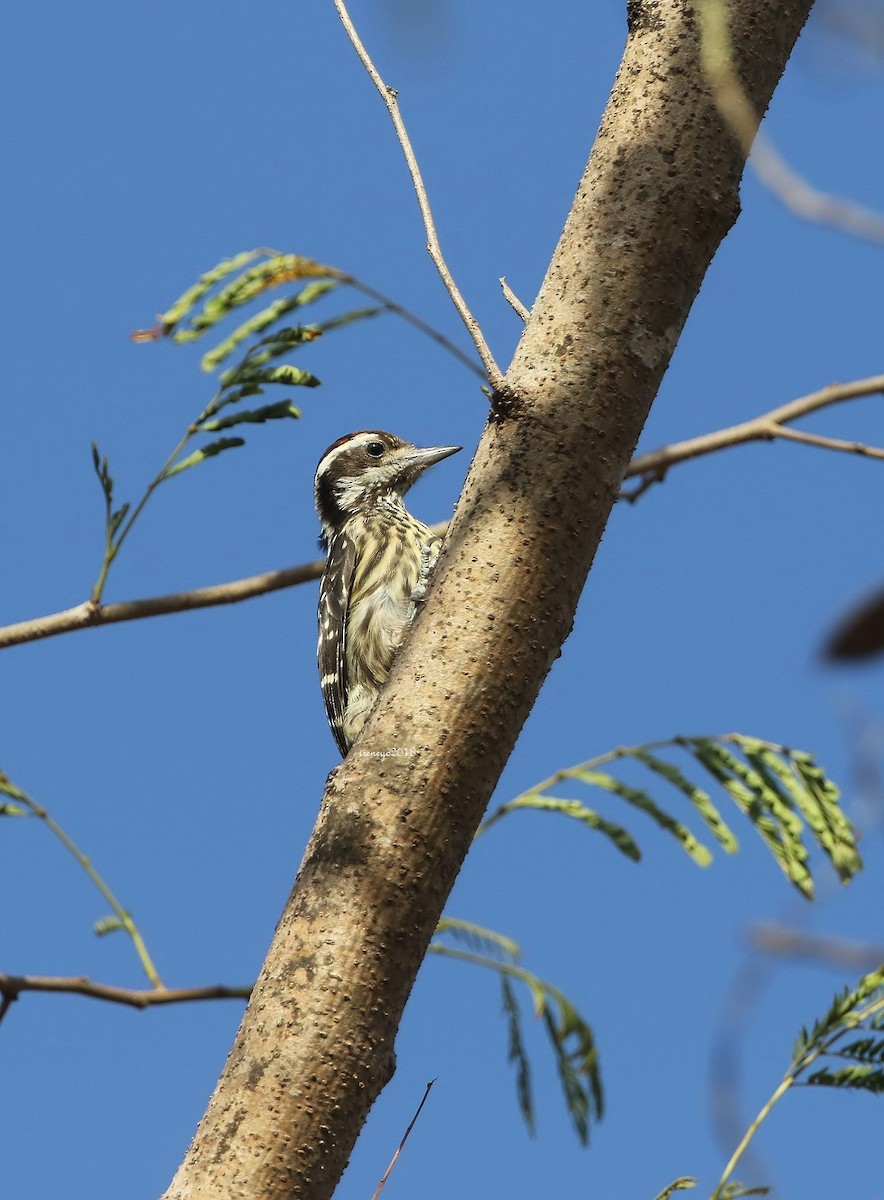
x=659 y=193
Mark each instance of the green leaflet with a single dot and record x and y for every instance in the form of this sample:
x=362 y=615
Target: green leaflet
x=701 y=800
x=482 y=940
x=275 y=270
x=204 y=284
x=861 y=1077
x=265 y=318
x=212 y=450
x=21 y=806
x=766 y=808
x=833 y=829
x=285 y=374
x=864 y=1050
x=641 y=800
x=677 y=1185
x=106 y=925
x=575 y=810
x=252 y=416
x=517 y=1055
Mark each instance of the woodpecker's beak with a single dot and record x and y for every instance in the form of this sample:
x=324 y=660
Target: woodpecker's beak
x=419 y=460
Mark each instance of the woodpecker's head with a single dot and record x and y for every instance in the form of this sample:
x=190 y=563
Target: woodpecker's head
x=363 y=469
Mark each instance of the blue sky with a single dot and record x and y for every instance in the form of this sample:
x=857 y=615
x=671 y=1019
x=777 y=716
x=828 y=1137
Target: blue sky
x=187 y=754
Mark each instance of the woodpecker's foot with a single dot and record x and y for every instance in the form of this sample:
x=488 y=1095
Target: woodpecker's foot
x=429 y=554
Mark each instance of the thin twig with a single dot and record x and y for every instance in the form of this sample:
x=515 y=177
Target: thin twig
x=828 y=443
x=411 y=1126
x=30 y=807
x=115 y=537
x=12 y=986
x=772 y=169
x=652 y=468
x=786 y=942
x=389 y=97
x=513 y=300
x=413 y=319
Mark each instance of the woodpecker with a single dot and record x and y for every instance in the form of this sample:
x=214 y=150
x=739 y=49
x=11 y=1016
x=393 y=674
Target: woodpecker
x=379 y=562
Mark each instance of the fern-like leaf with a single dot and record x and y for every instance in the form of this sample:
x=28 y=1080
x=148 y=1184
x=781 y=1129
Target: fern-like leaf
x=782 y=792
x=863 y=1077
x=517 y=1055
x=480 y=939
x=570 y=1037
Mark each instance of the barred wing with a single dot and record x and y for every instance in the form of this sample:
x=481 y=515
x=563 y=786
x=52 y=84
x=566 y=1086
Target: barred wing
x=334 y=602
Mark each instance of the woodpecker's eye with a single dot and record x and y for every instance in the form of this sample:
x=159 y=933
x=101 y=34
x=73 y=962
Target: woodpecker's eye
x=375 y=449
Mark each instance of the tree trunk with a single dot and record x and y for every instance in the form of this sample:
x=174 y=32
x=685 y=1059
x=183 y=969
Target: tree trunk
x=659 y=193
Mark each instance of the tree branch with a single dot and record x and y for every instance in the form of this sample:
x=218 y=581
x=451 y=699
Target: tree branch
x=513 y=300
x=784 y=942
x=12 y=986
x=89 y=615
x=652 y=467
x=389 y=97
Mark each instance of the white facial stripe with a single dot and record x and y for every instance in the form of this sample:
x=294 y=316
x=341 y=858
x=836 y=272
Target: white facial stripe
x=359 y=439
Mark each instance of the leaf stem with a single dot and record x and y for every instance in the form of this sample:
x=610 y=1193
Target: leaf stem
x=750 y=1133
x=850 y=1020
x=413 y=319
x=610 y=756
x=70 y=845
x=114 y=540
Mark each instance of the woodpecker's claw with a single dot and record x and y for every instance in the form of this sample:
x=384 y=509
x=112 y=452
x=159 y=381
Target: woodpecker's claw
x=429 y=555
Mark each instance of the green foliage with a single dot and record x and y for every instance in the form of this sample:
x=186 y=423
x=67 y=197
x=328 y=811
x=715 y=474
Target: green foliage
x=678 y=1185
x=210 y=450
x=205 y=284
x=19 y=805
x=185 y=325
x=113 y=517
x=782 y=792
x=845 y=1013
x=858 y=1008
x=731 y=1191
x=861 y=1076
x=218 y=293
x=184 y=322
x=106 y=925
x=570 y=1037
x=517 y=1054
